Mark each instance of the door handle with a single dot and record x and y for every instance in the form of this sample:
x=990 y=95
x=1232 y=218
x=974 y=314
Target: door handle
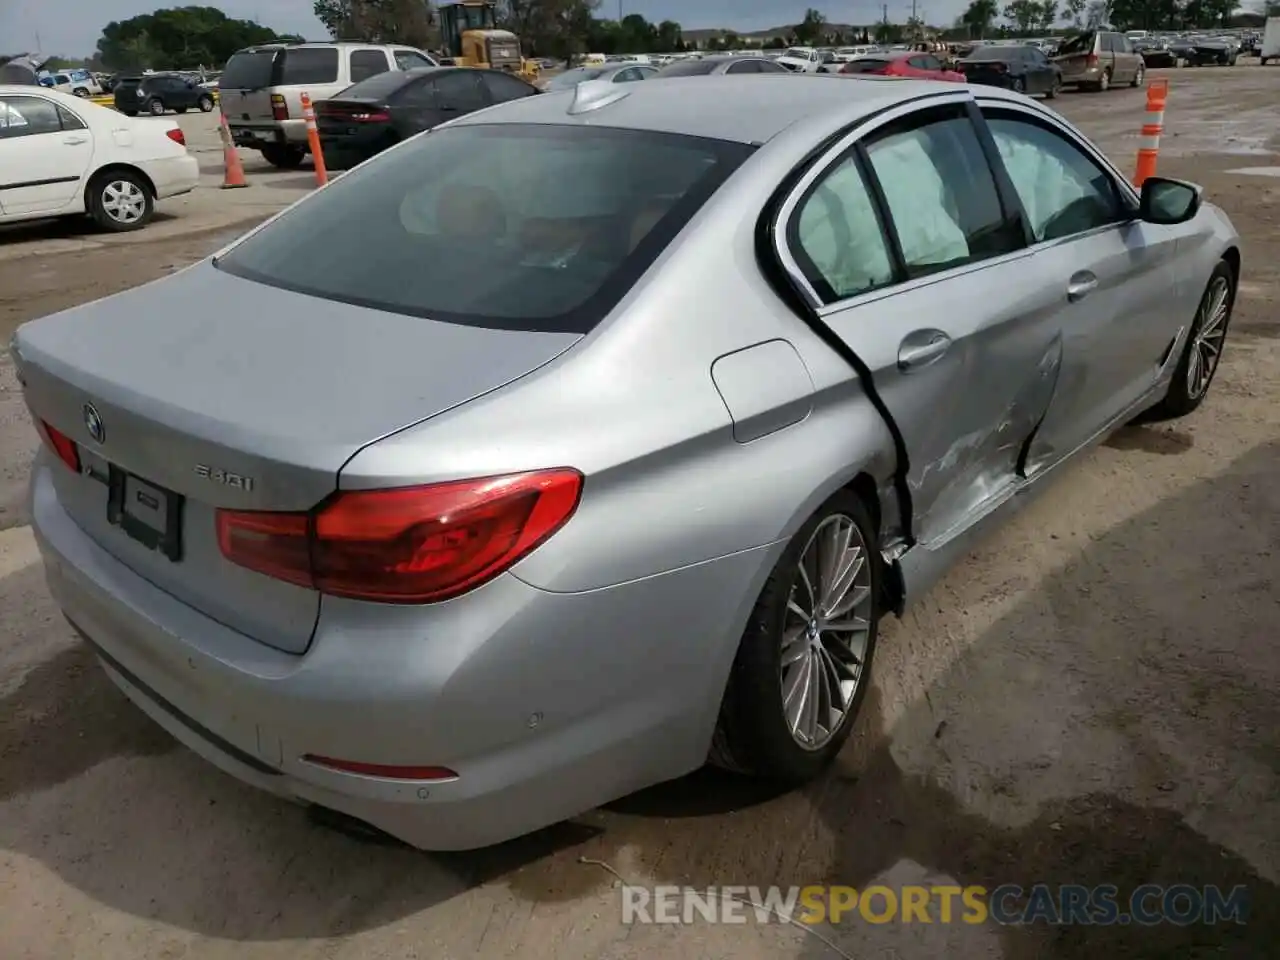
x=922 y=348
x=72 y=141
x=1081 y=285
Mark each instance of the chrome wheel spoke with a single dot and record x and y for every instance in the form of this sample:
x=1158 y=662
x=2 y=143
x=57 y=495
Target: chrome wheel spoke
x=795 y=646
x=822 y=648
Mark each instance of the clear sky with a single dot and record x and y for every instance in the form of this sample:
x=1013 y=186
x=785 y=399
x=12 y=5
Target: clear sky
x=72 y=27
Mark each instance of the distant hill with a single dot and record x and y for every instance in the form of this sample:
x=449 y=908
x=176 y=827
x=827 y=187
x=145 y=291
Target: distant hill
x=701 y=36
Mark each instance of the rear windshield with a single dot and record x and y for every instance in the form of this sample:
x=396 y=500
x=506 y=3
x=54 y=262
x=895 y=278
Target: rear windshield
x=1080 y=44
x=519 y=227
x=307 y=65
x=380 y=85
x=865 y=65
x=571 y=78
x=248 y=70
x=687 y=68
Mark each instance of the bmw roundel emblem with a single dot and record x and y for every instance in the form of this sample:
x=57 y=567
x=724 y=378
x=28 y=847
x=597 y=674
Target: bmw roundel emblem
x=93 y=423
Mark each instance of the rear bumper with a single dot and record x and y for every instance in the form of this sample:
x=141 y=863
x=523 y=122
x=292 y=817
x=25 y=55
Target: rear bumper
x=546 y=705
x=173 y=176
x=256 y=136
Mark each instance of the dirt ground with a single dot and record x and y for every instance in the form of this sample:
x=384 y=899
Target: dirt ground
x=1091 y=698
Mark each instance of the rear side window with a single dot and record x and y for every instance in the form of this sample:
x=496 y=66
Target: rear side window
x=519 y=227
x=307 y=65
x=1078 y=45
x=27 y=116
x=865 y=65
x=837 y=238
x=377 y=87
x=941 y=194
x=367 y=63
x=248 y=70
x=744 y=66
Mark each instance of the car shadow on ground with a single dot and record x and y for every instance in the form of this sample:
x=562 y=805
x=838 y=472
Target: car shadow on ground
x=64 y=228
x=1098 y=732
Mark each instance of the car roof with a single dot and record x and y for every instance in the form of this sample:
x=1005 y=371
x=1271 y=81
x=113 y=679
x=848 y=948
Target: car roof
x=743 y=109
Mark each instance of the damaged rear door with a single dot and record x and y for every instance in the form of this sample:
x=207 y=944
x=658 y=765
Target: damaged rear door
x=919 y=265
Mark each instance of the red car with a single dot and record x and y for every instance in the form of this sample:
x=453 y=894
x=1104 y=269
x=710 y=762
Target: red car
x=906 y=63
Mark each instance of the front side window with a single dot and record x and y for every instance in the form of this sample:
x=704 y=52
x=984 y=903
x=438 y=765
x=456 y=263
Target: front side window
x=1063 y=191
x=27 y=116
x=941 y=194
x=837 y=238
x=412 y=60
x=744 y=66
x=520 y=227
x=460 y=91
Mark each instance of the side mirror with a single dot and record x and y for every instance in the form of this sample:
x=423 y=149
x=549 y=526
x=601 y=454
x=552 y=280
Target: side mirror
x=1168 y=202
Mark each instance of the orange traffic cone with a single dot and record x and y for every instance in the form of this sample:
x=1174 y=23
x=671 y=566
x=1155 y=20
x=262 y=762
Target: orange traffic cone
x=234 y=175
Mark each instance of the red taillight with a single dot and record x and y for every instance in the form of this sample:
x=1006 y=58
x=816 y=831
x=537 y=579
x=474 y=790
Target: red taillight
x=382 y=769
x=279 y=108
x=177 y=136
x=375 y=116
x=406 y=545
x=1091 y=60
x=61 y=444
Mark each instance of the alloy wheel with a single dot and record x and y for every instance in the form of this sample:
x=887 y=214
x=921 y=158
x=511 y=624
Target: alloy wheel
x=1210 y=332
x=826 y=631
x=123 y=201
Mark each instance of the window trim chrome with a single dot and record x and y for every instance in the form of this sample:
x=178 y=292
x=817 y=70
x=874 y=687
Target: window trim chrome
x=863 y=129
x=820 y=167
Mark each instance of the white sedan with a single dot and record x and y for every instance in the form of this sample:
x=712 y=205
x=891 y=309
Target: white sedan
x=62 y=155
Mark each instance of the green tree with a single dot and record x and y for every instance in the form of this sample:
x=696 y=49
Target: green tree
x=178 y=37
x=1022 y=14
x=1048 y=15
x=979 y=17
x=1096 y=13
x=670 y=38
x=811 y=29
x=410 y=22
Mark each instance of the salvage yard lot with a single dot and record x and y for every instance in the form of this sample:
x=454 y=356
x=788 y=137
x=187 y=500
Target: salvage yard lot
x=1091 y=698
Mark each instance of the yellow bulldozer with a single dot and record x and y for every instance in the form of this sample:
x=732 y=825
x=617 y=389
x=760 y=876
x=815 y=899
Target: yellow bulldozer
x=471 y=38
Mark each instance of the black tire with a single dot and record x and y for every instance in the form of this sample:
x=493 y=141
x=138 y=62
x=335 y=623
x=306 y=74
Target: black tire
x=1055 y=88
x=1019 y=85
x=206 y=104
x=156 y=107
x=1105 y=83
x=1138 y=77
x=752 y=734
x=81 y=92
x=284 y=156
x=105 y=194
x=1181 y=399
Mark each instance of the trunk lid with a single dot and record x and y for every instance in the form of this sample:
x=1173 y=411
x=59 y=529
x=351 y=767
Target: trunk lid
x=243 y=87
x=347 y=117
x=981 y=71
x=230 y=393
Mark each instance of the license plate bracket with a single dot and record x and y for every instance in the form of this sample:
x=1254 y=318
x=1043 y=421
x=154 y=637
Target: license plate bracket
x=146 y=512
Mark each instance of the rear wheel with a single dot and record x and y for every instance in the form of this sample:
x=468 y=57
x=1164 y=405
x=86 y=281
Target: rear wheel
x=283 y=156
x=156 y=107
x=1055 y=87
x=206 y=104
x=1203 y=350
x=1139 y=77
x=81 y=92
x=1019 y=85
x=120 y=200
x=1105 y=82
x=804 y=663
